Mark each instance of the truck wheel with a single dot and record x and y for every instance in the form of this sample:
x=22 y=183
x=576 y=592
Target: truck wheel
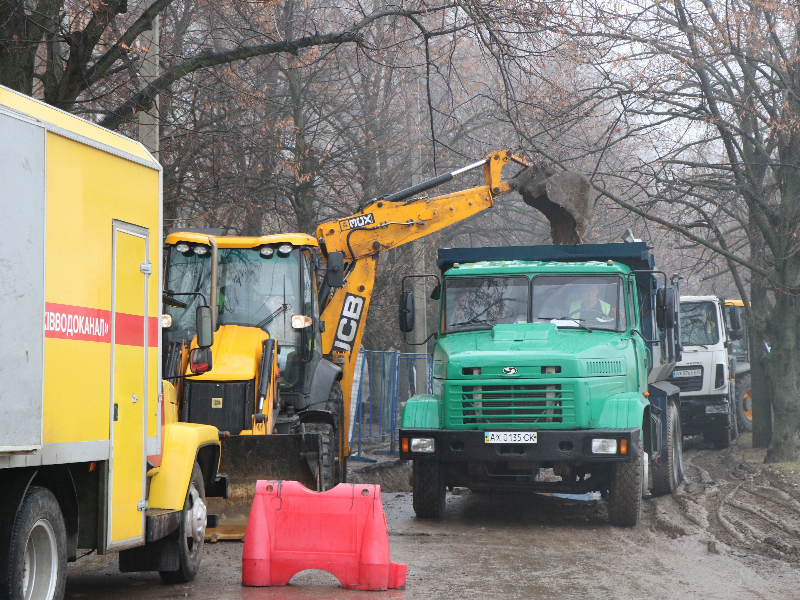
x=625 y=493
x=37 y=565
x=719 y=438
x=331 y=475
x=668 y=473
x=191 y=532
x=430 y=495
x=744 y=403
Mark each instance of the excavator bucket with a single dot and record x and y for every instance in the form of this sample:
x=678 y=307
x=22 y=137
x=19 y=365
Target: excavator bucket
x=566 y=198
x=247 y=458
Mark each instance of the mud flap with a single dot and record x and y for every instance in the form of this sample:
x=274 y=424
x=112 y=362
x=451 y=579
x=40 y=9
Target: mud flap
x=247 y=458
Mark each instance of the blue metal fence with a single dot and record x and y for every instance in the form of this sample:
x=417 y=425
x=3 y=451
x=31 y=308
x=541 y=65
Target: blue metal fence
x=382 y=382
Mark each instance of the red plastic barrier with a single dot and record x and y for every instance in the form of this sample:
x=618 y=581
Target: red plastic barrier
x=341 y=531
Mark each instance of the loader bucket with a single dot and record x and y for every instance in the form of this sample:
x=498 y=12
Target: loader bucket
x=566 y=198
x=247 y=458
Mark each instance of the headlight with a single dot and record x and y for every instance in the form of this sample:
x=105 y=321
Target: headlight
x=604 y=446
x=182 y=247
x=284 y=249
x=267 y=251
x=201 y=250
x=426 y=445
x=713 y=409
x=166 y=321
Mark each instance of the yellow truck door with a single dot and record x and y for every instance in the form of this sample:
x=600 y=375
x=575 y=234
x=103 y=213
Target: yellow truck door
x=129 y=386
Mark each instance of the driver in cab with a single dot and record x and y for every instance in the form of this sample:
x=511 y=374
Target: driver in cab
x=589 y=306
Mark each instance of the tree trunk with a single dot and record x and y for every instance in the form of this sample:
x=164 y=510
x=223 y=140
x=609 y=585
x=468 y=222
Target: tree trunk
x=759 y=388
x=781 y=366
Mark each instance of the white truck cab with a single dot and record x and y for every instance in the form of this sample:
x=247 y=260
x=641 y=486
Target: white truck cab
x=704 y=374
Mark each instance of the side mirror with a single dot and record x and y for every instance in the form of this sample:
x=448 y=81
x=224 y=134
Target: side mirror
x=735 y=321
x=334 y=276
x=200 y=360
x=205 y=331
x=665 y=308
x=407 y=312
x=436 y=293
x=736 y=334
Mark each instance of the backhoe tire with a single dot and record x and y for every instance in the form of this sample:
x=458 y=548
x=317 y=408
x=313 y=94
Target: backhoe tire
x=37 y=561
x=625 y=493
x=668 y=473
x=191 y=532
x=743 y=403
x=429 y=495
x=331 y=475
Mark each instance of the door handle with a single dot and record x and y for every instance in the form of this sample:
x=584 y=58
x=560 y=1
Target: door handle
x=116 y=411
x=134 y=398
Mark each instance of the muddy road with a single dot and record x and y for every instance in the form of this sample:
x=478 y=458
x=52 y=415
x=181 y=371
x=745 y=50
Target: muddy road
x=732 y=531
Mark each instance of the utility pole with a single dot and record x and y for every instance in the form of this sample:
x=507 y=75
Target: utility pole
x=149 y=130
x=418 y=254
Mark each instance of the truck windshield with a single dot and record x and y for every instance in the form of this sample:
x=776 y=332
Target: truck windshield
x=595 y=302
x=482 y=302
x=699 y=326
x=253 y=291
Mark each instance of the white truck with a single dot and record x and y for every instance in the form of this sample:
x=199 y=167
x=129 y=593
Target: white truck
x=708 y=400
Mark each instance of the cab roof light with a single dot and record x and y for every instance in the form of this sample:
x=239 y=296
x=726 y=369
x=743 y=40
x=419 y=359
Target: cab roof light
x=200 y=250
x=182 y=247
x=267 y=251
x=284 y=249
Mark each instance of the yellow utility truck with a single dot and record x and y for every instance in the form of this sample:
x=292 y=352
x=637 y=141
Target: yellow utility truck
x=91 y=453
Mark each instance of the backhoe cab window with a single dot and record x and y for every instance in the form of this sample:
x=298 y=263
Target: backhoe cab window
x=596 y=302
x=699 y=325
x=482 y=302
x=253 y=291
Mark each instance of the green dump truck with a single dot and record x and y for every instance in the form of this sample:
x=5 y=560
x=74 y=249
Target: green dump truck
x=549 y=375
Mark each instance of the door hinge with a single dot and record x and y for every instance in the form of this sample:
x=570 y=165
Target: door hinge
x=146 y=268
x=141 y=505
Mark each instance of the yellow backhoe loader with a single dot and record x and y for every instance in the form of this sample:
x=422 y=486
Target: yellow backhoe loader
x=284 y=352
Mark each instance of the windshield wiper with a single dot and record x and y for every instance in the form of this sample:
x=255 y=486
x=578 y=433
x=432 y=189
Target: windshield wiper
x=576 y=321
x=270 y=318
x=473 y=321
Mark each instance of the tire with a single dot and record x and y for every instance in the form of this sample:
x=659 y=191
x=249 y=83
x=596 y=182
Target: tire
x=39 y=548
x=625 y=493
x=192 y=531
x=744 y=405
x=429 y=495
x=668 y=473
x=719 y=438
x=331 y=472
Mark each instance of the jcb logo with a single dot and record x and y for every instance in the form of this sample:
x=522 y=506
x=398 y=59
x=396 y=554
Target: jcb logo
x=348 y=323
x=358 y=221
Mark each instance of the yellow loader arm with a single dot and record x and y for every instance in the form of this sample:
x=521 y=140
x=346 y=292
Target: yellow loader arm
x=387 y=223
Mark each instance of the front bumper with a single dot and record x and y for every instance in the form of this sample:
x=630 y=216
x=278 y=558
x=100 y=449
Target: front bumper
x=553 y=445
x=694 y=418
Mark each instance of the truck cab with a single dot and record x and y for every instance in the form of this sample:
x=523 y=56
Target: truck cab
x=704 y=373
x=548 y=371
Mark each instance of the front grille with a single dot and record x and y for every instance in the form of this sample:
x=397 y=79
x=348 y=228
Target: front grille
x=227 y=405
x=688 y=384
x=511 y=404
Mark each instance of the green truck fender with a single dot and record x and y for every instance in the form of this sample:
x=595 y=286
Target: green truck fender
x=421 y=412
x=622 y=411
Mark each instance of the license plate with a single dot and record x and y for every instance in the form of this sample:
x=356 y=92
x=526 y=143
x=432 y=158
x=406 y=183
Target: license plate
x=509 y=437
x=688 y=373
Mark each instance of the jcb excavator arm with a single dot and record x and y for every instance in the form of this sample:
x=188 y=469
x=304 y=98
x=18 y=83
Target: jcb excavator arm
x=386 y=223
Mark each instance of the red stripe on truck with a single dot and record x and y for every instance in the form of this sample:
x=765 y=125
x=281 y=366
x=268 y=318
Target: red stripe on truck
x=62 y=321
